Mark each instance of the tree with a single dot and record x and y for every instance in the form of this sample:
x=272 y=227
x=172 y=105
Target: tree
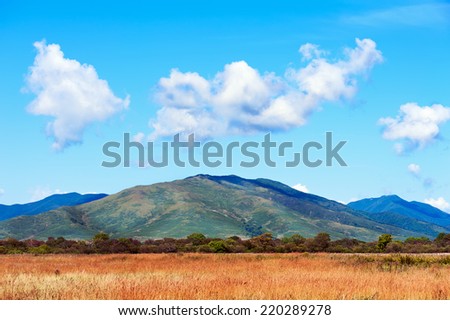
x=394 y=246
x=101 y=236
x=295 y=238
x=42 y=249
x=319 y=243
x=218 y=246
x=443 y=239
x=263 y=243
x=414 y=240
x=383 y=241
x=197 y=238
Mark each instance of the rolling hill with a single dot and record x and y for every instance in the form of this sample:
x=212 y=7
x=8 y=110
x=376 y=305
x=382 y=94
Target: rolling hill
x=218 y=206
x=52 y=202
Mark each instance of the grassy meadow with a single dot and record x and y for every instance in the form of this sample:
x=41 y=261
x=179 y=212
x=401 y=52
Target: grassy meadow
x=227 y=276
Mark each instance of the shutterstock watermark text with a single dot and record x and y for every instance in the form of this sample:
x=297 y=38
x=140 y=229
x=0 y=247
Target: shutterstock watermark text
x=212 y=154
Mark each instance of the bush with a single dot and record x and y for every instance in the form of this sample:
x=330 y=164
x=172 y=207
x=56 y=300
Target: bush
x=295 y=239
x=443 y=239
x=101 y=236
x=218 y=246
x=197 y=238
x=167 y=247
x=394 y=246
x=383 y=241
x=15 y=251
x=42 y=249
x=204 y=249
x=197 y=242
x=319 y=243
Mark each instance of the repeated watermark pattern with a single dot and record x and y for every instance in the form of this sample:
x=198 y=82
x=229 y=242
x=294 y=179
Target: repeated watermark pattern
x=248 y=154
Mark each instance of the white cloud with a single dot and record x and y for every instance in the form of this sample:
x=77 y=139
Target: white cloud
x=414 y=169
x=40 y=193
x=439 y=203
x=241 y=100
x=322 y=80
x=429 y=14
x=301 y=187
x=415 y=126
x=2 y=192
x=310 y=51
x=70 y=92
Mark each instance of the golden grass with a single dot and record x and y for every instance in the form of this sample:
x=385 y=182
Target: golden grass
x=233 y=276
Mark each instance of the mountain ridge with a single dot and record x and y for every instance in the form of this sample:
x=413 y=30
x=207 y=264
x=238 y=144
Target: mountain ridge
x=218 y=206
x=394 y=205
x=49 y=203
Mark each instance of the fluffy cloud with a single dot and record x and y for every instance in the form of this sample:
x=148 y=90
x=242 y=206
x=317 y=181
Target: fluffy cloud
x=414 y=169
x=310 y=51
x=415 y=126
x=69 y=92
x=241 y=100
x=439 y=203
x=301 y=187
x=2 y=192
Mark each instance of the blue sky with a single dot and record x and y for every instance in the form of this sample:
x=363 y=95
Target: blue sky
x=75 y=75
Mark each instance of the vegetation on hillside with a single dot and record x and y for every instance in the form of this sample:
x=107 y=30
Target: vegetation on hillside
x=219 y=206
x=197 y=242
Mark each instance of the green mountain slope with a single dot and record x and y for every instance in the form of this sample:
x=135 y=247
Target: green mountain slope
x=218 y=206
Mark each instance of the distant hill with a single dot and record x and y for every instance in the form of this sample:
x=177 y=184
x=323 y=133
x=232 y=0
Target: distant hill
x=393 y=210
x=52 y=202
x=218 y=206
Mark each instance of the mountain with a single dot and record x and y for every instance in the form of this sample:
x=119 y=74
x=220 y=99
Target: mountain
x=218 y=206
x=52 y=202
x=393 y=210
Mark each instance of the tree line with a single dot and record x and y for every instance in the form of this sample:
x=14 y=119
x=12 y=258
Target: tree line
x=197 y=242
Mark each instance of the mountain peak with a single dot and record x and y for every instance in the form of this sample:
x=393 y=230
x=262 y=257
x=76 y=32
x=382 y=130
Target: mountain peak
x=217 y=206
x=402 y=209
x=392 y=197
x=222 y=206
x=214 y=177
x=233 y=179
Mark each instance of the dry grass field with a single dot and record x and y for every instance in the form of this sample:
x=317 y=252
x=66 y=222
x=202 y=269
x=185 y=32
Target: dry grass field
x=231 y=276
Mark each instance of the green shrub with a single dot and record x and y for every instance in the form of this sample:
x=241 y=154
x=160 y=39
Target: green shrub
x=42 y=249
x=218 y=246
x=394 y=246
x=204 y=249
x=101 y=236
x=15 y=251
x=383 y=241
x=197 y=238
